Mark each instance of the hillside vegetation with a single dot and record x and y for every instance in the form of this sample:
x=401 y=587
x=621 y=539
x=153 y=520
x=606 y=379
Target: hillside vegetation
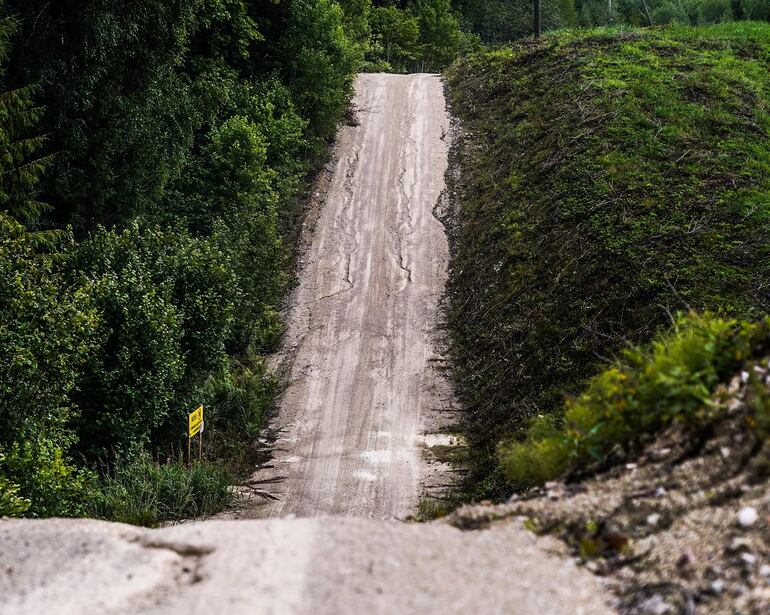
x=609 y=179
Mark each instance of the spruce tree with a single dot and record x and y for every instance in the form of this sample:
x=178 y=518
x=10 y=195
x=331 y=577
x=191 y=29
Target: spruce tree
x=20 y=168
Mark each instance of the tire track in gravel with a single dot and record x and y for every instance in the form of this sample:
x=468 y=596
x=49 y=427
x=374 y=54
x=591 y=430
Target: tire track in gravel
x=360 y=352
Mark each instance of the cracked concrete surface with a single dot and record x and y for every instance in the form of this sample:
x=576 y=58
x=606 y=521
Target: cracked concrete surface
x=359 y=354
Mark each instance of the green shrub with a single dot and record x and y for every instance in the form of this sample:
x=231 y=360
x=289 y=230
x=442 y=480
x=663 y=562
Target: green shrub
x=147 y=493
x=249 y=230
x=238 y=400
x=52 y=485
x=127 y=387
x=167 y=304
x=238 y=191
x=672 y=380
x=609 y=179
x=46 y=337
x=11 y=503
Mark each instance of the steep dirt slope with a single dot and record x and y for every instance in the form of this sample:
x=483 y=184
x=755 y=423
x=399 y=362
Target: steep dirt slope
x=360 y=353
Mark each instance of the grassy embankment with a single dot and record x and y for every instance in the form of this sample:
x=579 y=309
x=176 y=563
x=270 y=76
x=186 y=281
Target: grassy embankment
x=610 y=179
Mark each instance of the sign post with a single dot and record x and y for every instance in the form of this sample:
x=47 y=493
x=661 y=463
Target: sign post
x=195 y=428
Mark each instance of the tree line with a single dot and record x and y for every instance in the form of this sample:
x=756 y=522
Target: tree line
x=153 y=155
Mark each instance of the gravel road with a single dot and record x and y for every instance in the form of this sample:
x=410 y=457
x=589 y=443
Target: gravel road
x=363 y=384
x=318 y=566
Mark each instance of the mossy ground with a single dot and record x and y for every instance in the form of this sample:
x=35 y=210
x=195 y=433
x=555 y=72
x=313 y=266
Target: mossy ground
x=609 y=179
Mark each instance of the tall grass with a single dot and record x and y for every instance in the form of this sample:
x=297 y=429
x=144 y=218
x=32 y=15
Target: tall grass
x=148 y=493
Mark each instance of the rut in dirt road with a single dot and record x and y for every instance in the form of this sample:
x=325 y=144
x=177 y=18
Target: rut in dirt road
x=360 y=343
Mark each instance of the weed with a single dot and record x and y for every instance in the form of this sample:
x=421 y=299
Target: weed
x=148 y=493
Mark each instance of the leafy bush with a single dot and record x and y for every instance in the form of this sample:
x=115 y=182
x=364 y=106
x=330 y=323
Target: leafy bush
x=167 y=305
x=147 y=493
x=238 y=400
x=46 y=337
x=248 y=232
x=53 y=486
x=671 y=380
x=608 y=180
x=11 y=503
x=127 y=386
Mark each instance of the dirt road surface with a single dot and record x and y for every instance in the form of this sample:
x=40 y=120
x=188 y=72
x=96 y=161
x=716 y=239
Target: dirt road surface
x=360 y=350
x=316 y=566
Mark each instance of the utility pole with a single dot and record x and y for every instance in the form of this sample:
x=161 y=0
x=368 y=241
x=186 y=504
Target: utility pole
x=647 y=12
x=537 y=24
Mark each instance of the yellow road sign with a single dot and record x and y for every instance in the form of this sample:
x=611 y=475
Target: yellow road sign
x=195 y=421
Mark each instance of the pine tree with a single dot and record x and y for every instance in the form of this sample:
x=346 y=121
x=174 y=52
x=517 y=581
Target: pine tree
x=20 y=169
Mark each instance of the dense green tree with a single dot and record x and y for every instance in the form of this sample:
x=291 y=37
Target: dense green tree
x=439 y=33
x=670 y=12
x=178 y=136
x=117 y=112
x=20 y=168
x=498 y=21
x=756 y=9
x=318 y=63
x=46 y=335
x=356 y=15
x=396 y=42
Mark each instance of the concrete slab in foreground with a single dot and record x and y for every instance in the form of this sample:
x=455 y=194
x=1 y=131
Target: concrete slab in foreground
x=285 y=566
